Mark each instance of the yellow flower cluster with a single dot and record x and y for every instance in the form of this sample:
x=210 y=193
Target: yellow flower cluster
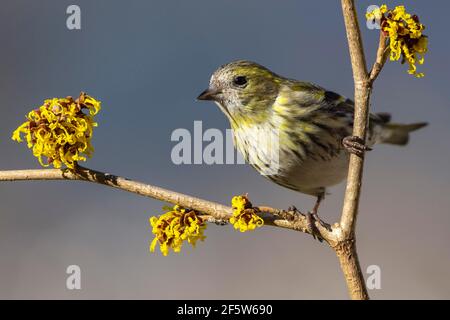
x=405 y=32
x=174 y=227
x=59 y=131
x=244 y=217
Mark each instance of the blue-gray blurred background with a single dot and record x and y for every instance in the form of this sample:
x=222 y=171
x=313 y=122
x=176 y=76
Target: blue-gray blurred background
x=147 y=61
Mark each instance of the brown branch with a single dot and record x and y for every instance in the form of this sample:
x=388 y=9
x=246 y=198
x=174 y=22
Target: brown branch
x=346 y=247
x=362 y=95
x=382 y=55
x=349 y=262
x=211 y=211
x=82 y=174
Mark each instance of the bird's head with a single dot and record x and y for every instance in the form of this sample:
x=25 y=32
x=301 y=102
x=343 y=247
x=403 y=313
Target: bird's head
x=244 y=91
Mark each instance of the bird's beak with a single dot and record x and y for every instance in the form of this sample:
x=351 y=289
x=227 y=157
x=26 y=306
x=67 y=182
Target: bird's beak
x=208 y=94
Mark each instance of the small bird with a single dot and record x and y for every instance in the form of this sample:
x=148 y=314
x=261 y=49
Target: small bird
x=312 y=126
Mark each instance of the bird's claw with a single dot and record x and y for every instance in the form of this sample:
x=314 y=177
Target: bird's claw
x=311 y=219
x=321 y=222
x=311 y=227
x=355 y=145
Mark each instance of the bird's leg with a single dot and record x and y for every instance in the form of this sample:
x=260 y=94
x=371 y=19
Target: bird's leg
x=310 y=227
x=313 y=216
x=315 y=211
x=355 y=145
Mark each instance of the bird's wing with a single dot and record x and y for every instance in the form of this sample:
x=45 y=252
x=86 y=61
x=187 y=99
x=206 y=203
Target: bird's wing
x=321 y=111
x=331 y=102
x=317 y=119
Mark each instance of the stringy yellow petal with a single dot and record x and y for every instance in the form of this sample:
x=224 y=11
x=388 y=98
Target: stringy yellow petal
x=405 y=35
x=244 y=217
x=59 y=132
x=174 y=227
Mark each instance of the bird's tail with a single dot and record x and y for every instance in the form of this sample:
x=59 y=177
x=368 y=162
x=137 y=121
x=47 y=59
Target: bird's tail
x=398 y=134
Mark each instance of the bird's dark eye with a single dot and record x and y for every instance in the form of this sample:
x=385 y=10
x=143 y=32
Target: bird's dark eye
x=240 y=81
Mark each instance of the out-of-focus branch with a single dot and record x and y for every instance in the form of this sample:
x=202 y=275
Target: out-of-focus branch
x=382 y=55
x=211 y=211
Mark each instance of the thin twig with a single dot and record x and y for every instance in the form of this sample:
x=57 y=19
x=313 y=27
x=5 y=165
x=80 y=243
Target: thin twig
x=215 y=211
x=382 y=55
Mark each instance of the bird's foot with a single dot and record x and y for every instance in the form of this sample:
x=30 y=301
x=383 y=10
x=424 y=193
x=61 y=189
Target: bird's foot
x=311 y=219
x=320 y=221
x=355 y=145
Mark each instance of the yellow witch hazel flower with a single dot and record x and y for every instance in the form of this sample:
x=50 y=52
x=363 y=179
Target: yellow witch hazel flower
x=244 y=218
x=59 y=132
x=175 y=226
x=405 y=33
